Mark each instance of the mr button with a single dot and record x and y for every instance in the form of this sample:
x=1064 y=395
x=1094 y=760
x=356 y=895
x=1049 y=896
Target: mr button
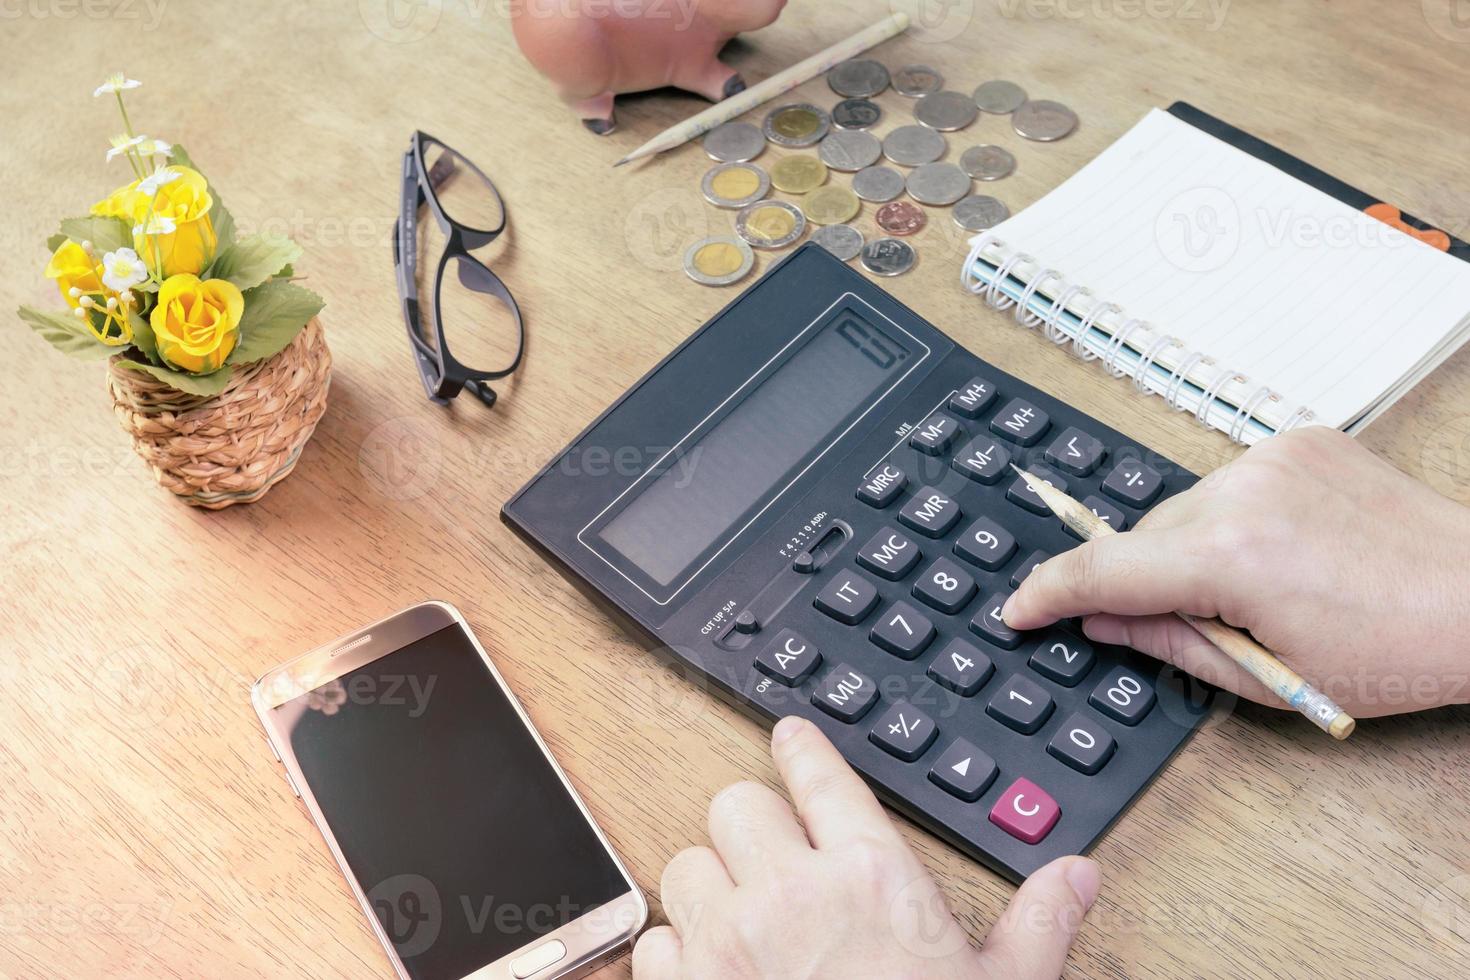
x=1025 y=811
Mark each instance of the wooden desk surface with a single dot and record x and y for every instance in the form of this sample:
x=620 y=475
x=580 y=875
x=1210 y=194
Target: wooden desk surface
x=146 y=829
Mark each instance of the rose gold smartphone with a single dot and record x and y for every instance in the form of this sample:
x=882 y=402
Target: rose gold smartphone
x=464 y=842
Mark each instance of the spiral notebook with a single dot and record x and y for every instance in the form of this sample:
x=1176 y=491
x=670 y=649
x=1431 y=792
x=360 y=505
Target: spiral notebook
x=1231 y=279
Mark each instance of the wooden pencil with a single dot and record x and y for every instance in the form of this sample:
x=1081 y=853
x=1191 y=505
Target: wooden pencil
x=784 y=81
x=1255 y=659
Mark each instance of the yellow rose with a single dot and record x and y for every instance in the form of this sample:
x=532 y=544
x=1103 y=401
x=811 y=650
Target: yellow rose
x=197 y=324
x=181 y=206
x=125 y=202
x=72 y=266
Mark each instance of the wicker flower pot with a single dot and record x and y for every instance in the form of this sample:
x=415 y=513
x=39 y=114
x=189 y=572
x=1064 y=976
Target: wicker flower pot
x=232 y=447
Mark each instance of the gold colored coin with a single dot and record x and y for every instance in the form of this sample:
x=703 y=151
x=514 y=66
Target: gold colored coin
x=718 y=259
x=735 y=183
x=795 y=123
x=798 y=174
x=771 y=223
x=831 y=205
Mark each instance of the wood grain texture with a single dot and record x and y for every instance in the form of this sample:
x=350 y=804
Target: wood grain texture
x=146 y=830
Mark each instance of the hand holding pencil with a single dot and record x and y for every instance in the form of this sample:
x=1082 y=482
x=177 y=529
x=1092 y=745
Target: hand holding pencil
x=1352 y=573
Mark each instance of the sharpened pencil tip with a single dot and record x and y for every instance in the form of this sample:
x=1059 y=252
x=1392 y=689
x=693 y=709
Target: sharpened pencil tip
x=621 y=162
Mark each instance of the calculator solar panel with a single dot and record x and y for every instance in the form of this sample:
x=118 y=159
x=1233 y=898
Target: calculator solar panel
x=808 y=507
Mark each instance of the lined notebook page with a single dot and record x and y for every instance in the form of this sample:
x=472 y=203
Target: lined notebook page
x=1241 y=261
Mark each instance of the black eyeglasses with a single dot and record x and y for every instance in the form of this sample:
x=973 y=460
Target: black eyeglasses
x=474 y=304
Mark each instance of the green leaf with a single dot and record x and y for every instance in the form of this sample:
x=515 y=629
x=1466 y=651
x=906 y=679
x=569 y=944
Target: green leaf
x=193 y=384
x=105 y=234
x=275 y=312
x=67 y=333
x=143 y=338
x=254 y=259
x=287 y=271
x=55 y=242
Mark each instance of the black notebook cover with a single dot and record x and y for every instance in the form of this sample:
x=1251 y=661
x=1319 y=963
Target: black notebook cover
x=1300 y=169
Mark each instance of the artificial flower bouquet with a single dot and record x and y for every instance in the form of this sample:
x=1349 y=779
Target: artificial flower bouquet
x=195 y=318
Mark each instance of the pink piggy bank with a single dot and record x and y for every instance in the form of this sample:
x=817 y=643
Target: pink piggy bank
x=594 y=49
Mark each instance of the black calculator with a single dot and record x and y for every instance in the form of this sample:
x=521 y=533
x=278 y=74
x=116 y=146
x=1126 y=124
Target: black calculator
x=809 y=504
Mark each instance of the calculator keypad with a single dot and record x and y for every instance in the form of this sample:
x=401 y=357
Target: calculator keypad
x=1008 y=718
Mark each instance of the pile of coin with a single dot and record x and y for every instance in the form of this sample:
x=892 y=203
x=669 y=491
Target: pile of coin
x=845 y=144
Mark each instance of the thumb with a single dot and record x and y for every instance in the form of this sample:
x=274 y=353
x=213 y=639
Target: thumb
x=1031 y=939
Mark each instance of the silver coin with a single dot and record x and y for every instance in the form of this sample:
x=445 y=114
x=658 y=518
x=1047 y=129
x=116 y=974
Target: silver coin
x=843 y=241
x=987 y=162
x=916 y=80
x=715 y=255
x=979 y=212
x=856 y=114
x=888 y=257
x=796 y=124
x=1000 y=96
x=946 y=111
x=849 y=150
x=860 y=77
x=714 y=193
x=1043 y=120
x=734 y=142
x=752 y=233
x=877 y=183
x=938 y=183
x=910 y=146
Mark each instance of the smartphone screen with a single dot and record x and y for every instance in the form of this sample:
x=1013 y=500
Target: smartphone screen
x=463 y=837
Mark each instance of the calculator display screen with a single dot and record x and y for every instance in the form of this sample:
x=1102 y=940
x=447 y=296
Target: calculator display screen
x=725 y=472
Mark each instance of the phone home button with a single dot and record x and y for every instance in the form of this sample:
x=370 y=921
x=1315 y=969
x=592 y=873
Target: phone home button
x=538 y=959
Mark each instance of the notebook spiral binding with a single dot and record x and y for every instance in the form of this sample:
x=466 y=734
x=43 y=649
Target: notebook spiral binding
x=1054 y=329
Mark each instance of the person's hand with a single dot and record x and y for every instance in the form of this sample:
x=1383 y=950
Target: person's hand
x=1355 y=575
x=832 y=890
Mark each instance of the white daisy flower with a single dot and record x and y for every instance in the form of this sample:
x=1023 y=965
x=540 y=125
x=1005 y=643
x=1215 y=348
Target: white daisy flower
x=158 y=224
x=122 y=270
x=163 y=175
x=155 y=148
x=115 y=83
x=122 y=144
